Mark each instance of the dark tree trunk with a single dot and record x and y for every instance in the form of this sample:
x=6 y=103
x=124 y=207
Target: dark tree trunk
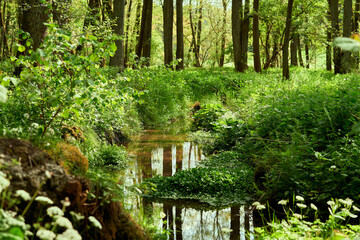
x=307 y=55
x=256 y=37
x=334 y=10
x=245 y=25
x=195 y=37
x=285 y=56
x=119 y=14
x=4 y=47
x=61 y=12
x=198 y=33
x=328 y=40
x=179 y=35
x=32 y=15
x=127 y=32
x=293 y=52
x=356 y=16
x=236 y=31
x=223 y=36
x=346 y=55
x=143 y=48
x=168 y=16
x=94 y=15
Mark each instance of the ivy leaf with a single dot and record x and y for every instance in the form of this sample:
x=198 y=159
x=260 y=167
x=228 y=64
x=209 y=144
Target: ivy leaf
x=113 y=47
x=21 y=48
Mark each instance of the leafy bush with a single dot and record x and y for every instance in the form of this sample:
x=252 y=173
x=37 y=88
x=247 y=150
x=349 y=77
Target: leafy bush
x=111 y=156
x=206 y=117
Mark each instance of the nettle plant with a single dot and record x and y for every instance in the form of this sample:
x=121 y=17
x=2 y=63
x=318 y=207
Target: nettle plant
x=56 y=80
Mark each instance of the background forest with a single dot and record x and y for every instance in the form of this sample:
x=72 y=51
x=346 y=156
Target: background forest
x=267 y=88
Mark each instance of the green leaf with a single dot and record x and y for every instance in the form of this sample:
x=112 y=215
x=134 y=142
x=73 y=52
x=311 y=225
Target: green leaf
x=21 y=48
x=17 y=232
x=113 y=47
x=3 y=94
x=347 y=44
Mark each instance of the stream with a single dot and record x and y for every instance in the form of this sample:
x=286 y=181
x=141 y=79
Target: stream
x=160 y=153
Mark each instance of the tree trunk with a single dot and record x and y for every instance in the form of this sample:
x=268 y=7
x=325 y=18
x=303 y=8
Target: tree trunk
x=256 y=37
x=223 y=36
x=356 y=16
x=93 y=16
x=285 y=56
x=119 y=14
x=61 y=12
x=168 y=16
x=179 y=35
x=4 y=48
x=301 y=62
x=245 y=25
x=198 y=34
x=328 y=40
x=347 y=26
x=307 y=55
x=127 y=32
x=334 y=10
x=293 y=52
x=236 y=31
x=143 y=48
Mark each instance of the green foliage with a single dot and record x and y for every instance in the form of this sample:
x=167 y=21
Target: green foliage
x=110 y=156
x=220 y=186
x=205 y=118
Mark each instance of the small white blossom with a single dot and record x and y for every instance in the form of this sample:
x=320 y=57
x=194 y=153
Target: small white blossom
x=297 y=215
x=23 y=194
x=300 y=205
x=162 y=215
x=26 y=115
x=256 y=204
x=331 y=203
x=300 y=198
x=313 y=206
x=283 y=202
x=45 y=234
x=44 y=200
x=260 y=207
x=35 y=125
x=346 y=202
x=333 y=167
x=95 y=222
x=54 y=211
x=69 y=234
x=48 y=174
x=4 y=182
x=226 y=230
x=64 y=222
x=352 y=215
x=66 y=202
x=356 y=208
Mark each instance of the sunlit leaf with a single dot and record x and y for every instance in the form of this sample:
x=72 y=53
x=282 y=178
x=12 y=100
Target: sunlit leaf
x=21 y=48
x=3 y=94
x=347 y=44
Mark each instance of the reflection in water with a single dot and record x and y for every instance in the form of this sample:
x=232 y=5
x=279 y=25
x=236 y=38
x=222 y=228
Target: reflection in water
x=156 y=153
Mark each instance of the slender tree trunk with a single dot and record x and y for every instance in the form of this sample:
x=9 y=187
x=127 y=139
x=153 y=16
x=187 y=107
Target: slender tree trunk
x=168 y=16
x=4 y=48
x=127 y=32
x=198 y=33
x=356 y=16
x=119 y=14
x=179 y=35
x=293 y=52
x=194 y=33
x=285 y=56
x=136 y=30
x=236 y=31
x=334 y=10
x=256 y=37
x=93 y=16
x=301 y=62
x=144 y=45
x=328 y=40
x=223 y=36
x=347 y=26
x=307 y=55
x=61 y=12
x=245 y=25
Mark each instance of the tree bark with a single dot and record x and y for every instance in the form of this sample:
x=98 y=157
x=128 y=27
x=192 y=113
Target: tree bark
x=61 y=10
x=334 y=10
x=236 y=31
x=347 y=26
x=119 y=14
x=94 y=15
x=256 y=37
x=285 y=56
x=127 y=32
x=245 y=25
x=307 y=55
x=356 y=16
x=143 y=48
x=293 y=52
x=301 y=62
x=198 y=33
x=179 y=35
x=168 y=16
x=223 y=36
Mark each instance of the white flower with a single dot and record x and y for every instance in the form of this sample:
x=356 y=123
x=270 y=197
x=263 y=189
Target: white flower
x=283 y=202
x=356 y=208
x=23 y=194
x=64 y=222
x=26 y=115
x=162 y=215
x=300 y=198
x=48 y=174
x=256 y=204
x=333 y=167
x=66 y=202
x=69 y=234
x=352 y=215
x=35 y=125
x=54 y=211
x=260 y=207
x=313 y=206
x=95 y=222
x=331 y=203
x=300 y=205
x=226 y=230
x=4 y=182
x=346 y=202
x=44 y=200
x=297 y=215
x=45 y=234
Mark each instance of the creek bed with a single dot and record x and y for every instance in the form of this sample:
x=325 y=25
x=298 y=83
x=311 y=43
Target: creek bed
x=156 y=152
